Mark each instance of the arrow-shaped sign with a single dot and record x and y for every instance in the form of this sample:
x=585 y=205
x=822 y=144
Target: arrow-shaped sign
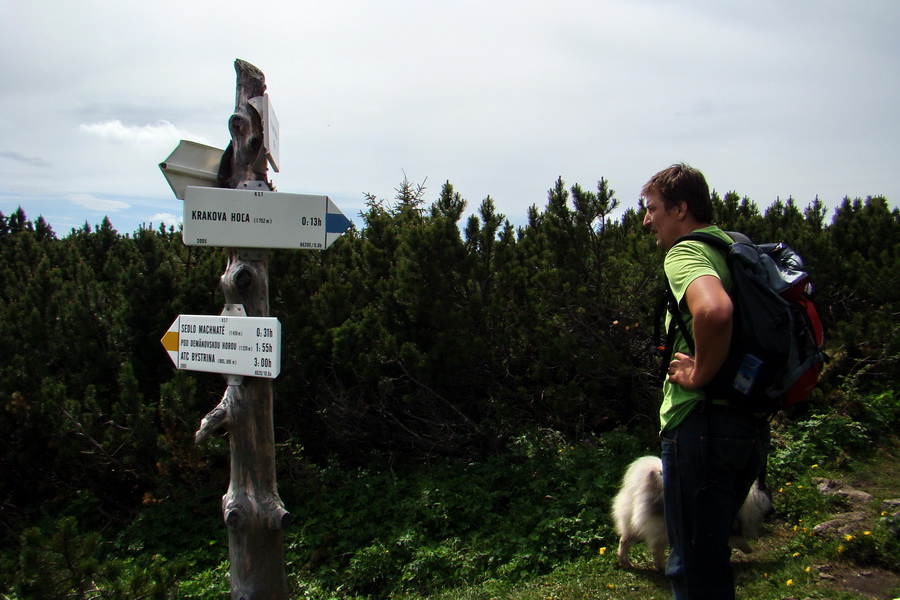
x=225 y=344
x=191 y=164
x=260 y=219
x=263 y=106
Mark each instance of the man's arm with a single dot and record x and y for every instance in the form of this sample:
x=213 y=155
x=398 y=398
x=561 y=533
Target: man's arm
x=712 y=312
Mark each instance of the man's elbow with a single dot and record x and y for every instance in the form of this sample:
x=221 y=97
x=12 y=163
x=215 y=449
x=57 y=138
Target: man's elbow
x=716 y=316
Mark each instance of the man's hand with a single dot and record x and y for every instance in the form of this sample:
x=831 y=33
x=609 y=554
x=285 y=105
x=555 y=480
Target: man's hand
x=681 y=371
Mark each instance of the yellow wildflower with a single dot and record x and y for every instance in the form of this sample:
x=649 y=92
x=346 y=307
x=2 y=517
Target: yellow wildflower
x=790 y=582
x=848 y=537
x=603 y=550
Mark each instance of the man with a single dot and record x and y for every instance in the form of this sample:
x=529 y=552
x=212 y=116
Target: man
x=711 y=453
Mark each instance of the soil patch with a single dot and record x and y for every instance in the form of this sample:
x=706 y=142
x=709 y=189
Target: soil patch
x=868 y=582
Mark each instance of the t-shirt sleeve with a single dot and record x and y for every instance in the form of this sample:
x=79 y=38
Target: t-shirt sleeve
x=684 y=263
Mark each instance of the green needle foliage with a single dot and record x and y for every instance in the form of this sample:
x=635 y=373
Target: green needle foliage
x=458 y=395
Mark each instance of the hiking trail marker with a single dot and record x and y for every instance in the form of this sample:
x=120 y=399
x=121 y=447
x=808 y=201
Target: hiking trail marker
x=229 y=202
x=227 y=344
x=238 y=218
x=191 y=164
x=271 y=143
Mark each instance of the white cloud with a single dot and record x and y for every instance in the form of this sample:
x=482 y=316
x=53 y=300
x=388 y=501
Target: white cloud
x=97 y=204
x=167 y=218
x=156 y=134
x=769 y=99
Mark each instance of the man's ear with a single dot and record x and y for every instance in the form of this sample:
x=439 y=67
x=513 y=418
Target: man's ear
x=680 y=209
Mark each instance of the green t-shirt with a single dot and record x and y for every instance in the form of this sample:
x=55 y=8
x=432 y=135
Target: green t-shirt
x=684 y=263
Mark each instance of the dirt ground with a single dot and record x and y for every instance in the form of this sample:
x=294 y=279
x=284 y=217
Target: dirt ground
x=863 y=490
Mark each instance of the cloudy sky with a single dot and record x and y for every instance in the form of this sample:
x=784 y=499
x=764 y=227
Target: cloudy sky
x=772 y=98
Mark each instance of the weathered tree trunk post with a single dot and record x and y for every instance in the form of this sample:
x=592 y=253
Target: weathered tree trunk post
x=253 y=511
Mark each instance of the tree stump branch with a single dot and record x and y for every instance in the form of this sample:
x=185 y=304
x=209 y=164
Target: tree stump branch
x=244 y=156
x=218 y=417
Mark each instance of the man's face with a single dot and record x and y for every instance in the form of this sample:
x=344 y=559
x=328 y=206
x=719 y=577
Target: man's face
x=660 y=221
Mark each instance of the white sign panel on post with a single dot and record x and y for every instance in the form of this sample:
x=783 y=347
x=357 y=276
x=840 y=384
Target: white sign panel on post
x=224 y=344
x=263 y=106
x=191 y=164
x=260 y=219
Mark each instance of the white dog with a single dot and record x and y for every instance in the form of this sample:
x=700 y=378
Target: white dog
x=638 y=512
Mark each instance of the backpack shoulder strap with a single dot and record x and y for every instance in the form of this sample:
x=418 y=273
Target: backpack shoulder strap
x=667 y=302
x=707 y=238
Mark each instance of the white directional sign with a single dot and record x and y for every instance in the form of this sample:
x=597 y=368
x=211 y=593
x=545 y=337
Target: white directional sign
x=225 y=344
x=263 y=106
x=191 y=164
x=260 y=219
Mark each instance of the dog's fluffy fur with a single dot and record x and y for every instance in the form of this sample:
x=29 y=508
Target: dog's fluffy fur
x=638 y=512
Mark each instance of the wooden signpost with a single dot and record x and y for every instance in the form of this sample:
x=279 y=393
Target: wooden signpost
x=238 y=210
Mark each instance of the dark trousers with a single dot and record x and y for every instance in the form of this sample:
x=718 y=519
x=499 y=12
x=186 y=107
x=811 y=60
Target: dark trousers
x=709 y=463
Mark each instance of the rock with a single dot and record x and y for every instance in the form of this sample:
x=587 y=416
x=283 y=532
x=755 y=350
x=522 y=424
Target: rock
x=857 y=499
x=891 y=507
x=842 y=524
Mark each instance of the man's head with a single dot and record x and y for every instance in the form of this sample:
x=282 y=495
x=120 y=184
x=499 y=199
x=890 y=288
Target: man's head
x=682 y=183
x=677 y=202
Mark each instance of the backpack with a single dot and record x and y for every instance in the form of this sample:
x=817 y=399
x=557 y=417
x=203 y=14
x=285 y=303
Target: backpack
x=777 y=344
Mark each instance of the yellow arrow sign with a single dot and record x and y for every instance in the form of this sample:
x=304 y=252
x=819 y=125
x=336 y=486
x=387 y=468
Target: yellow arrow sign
x=170 y=341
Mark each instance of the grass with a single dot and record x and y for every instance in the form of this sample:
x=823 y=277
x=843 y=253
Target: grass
x=789 y=559
x=532 y=525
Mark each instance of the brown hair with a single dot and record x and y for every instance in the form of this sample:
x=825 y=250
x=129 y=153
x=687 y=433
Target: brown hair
x=682 y=183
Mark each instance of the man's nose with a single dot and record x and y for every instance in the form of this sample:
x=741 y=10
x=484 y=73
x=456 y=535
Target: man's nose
x=646 y=218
